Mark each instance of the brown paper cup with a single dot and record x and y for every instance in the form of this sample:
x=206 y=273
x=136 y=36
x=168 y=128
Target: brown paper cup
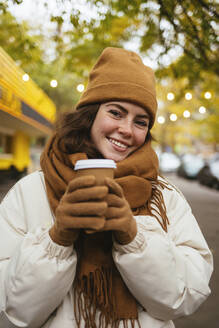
x=100 y=168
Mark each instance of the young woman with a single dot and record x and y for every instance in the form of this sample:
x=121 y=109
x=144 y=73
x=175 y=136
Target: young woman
x=147 y=262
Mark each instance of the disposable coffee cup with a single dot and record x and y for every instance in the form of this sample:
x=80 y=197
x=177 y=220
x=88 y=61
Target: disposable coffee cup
x=100 y=168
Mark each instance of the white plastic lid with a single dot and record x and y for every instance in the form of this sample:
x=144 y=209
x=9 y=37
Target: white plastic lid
x=95 y=163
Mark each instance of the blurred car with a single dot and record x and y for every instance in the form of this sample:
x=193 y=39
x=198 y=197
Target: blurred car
x=209 y=174
x=190 y=166
x=169 y=162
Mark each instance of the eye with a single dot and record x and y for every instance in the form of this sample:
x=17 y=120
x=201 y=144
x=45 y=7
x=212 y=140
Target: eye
x=115 y=113
x=142 y=123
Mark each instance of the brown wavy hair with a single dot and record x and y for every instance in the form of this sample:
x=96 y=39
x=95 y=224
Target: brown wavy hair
x=73 y=131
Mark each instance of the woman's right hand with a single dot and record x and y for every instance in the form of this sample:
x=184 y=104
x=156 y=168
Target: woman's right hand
x=81 y=207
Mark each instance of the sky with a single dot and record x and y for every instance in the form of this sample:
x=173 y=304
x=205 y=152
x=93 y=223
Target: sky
x=35 y=9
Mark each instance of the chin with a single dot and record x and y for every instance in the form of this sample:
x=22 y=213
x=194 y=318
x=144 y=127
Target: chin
x=117 y=158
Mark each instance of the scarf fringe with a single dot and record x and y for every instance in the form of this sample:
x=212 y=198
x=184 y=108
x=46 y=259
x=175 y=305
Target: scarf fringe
x=93 y=302
x=156 y=204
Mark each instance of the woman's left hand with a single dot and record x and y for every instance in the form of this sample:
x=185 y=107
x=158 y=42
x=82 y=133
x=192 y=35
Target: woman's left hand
x=119 y=216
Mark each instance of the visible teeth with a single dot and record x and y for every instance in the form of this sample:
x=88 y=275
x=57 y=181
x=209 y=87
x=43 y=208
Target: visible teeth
x=117 y=143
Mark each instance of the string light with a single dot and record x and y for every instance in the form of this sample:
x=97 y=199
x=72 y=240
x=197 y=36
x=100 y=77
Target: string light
x=207 y=95
x=25 y=77
x=170 y=96
x=186 y=114
x=202 y=110
x=53 y=83
x=161 y=119
x=173 y=117
x=80 y=87
x=188 y=96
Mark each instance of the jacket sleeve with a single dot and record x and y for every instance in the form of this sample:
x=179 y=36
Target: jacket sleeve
x=35 y=273
x=168 y=273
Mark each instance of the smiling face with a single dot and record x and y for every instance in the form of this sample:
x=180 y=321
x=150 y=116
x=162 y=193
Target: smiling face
x=119 y=129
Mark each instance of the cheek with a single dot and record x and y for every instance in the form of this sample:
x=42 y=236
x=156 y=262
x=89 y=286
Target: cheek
x=105 y=126
x=140 y=137
x=100 y=128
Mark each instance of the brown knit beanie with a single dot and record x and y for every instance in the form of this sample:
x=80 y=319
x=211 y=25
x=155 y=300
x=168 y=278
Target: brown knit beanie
x=120 y=75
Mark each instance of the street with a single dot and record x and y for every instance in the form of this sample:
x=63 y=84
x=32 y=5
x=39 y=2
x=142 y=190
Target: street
x=204 y=203
x=205 y=206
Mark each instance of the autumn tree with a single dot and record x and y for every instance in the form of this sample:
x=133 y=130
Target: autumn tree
x=159 y=27
x=27 y=48
x=180 y=36
x=163 y=29
x=24 y=48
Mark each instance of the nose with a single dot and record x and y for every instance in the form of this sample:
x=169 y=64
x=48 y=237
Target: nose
x=125 y=128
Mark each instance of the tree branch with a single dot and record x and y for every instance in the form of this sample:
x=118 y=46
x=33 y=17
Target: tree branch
x=209 y=8
x=196 y=35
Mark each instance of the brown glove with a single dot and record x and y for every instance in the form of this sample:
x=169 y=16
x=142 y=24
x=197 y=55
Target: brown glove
x=81 y=207
x=119 y=216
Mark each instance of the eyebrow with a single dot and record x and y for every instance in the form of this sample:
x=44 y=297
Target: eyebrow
x=126 y=111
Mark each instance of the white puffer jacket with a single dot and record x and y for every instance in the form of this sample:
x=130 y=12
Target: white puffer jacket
x=168 y=273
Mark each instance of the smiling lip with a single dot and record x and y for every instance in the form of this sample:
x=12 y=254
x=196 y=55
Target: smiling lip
x=118 y=145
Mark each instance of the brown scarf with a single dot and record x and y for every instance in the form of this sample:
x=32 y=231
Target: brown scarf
x=98 y=284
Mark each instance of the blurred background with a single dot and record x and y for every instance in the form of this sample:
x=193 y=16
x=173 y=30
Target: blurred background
x=47 y=49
